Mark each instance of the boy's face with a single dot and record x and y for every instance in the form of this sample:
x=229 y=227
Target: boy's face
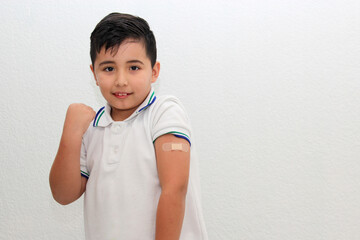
x=124 y=77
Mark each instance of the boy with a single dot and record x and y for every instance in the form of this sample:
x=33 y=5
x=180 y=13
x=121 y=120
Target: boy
x=135 y=154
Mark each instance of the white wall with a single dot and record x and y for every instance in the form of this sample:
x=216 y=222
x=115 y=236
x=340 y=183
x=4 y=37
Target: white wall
x=272 y=88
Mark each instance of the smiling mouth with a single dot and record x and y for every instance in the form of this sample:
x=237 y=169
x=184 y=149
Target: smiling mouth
x=121 y=94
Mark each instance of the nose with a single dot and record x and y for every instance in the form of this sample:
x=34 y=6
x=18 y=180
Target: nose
x=121 y=80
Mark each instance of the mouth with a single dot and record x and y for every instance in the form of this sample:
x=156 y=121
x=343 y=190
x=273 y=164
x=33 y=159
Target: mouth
x=121 y=94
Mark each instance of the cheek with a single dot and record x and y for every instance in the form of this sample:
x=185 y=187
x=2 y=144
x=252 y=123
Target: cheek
x=142 y=84
x=103 y=84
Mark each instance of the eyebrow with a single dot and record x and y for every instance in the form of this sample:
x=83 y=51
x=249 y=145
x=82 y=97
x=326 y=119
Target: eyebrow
x=106 y=62
x=113 y=62
x=135 y=61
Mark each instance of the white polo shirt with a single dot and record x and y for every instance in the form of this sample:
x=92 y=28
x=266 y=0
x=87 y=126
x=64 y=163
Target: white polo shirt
x=123 y=187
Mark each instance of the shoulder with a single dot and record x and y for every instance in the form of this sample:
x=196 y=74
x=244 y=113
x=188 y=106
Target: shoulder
x=168 y=108
x=168 y=102
x=169 y=116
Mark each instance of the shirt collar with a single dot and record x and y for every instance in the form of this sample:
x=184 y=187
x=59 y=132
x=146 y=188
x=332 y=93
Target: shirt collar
x=103 y=117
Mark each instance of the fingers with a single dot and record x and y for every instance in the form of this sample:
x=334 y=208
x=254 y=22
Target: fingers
x=79 y=116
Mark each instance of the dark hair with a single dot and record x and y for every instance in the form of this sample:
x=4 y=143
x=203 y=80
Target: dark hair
x=113 y=29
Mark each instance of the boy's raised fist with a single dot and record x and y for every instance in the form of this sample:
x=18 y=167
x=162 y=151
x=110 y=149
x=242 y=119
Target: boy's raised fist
x=79 y=117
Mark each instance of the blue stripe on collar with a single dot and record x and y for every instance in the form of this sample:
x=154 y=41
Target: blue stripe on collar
x=98 y=116
x=151 y=101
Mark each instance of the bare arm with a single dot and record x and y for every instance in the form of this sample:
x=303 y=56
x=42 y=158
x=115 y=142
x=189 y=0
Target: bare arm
x=66 y=183
x=173 y=169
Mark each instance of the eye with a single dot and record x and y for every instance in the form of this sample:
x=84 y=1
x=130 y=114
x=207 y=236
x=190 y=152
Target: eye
x=134 y=68
x=108 y=69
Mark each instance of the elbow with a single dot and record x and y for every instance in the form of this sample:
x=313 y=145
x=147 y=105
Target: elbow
x=62 y=200
x=62 y=197
x=65 y=194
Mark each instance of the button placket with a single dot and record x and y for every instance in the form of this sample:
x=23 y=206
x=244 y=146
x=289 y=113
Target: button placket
x=116 y=128
x=115 y=141
x=116 y=149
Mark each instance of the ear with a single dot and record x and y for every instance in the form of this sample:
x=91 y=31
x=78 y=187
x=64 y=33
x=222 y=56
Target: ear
x=93 y=71
x=155 y=72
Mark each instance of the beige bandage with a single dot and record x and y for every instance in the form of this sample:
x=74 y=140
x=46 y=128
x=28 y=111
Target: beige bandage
x=175 y=147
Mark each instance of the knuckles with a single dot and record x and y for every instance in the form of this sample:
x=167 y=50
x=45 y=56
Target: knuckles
x=81 y=110
x=78 y=117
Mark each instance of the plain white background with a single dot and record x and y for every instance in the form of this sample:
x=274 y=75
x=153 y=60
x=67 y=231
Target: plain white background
x=272 y=88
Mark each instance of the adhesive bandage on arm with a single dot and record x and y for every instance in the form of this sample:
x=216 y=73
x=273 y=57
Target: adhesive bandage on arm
x=171 y=146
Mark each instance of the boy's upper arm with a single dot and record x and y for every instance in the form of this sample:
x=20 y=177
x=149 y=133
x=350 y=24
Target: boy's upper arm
x=173 y=165
x=83 y=185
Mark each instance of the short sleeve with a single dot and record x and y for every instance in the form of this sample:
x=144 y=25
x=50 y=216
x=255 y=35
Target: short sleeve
x=170 y=118
x=83 y=168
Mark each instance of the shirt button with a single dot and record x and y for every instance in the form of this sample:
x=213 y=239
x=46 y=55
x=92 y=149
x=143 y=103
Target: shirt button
x=112 y=160
x=116 y=149
x=116 y=128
